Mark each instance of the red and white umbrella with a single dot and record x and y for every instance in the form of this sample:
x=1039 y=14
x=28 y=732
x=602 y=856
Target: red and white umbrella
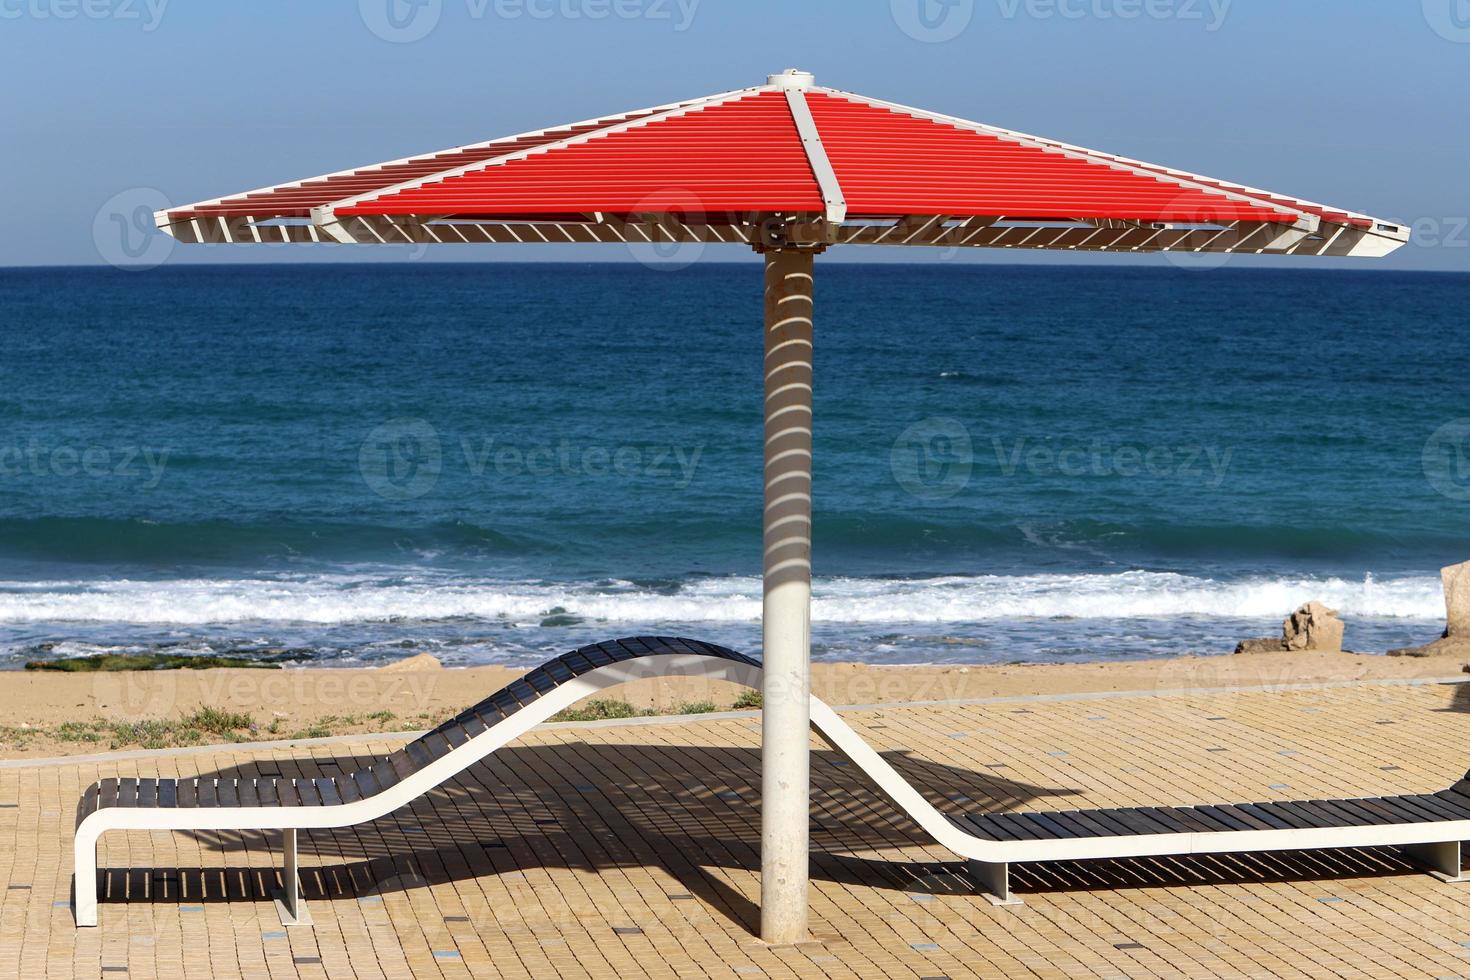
x=790 y=168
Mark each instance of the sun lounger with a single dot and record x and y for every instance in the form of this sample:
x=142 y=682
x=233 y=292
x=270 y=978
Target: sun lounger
x=1429 y=826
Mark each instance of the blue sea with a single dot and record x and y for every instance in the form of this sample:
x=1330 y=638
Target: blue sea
x=493 y=462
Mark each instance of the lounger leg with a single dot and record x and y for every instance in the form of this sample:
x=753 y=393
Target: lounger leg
x=1441 y=858
x=84 y=878
x=993 y=881
x=292 y=910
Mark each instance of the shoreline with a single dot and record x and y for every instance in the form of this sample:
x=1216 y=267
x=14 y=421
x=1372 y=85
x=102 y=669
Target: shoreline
x=62 y=714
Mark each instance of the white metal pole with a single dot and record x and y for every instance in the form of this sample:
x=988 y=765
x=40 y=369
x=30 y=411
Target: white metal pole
x=786 y=613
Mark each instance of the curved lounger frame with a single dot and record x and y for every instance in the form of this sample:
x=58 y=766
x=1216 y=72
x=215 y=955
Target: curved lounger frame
x=1429 y=826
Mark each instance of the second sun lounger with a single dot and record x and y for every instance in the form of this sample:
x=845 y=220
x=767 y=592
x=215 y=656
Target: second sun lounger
x=1428 y=826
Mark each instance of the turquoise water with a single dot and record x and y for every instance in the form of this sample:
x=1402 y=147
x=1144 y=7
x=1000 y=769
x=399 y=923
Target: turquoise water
x=492 y=462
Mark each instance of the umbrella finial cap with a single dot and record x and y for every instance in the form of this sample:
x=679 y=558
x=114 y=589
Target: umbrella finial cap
x=793 y=78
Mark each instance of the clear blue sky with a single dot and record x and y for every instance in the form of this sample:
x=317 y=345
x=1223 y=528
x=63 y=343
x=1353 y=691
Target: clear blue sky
x=1357 y=103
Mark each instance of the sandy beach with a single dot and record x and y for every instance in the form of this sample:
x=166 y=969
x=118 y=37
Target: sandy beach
x=54 y=714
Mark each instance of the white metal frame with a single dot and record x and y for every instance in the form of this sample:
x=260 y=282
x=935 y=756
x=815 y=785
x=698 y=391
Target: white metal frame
x=1436 y=844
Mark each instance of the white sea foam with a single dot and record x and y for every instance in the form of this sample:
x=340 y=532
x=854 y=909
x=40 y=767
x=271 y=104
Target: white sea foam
x=364 y=599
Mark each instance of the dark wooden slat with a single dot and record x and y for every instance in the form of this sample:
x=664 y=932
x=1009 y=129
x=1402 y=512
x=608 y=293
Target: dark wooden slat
x=265 y=791
x=577 y=663
x=189 y=792
x=1134 y=819
x=1240 y=812
x=346 y=788
x=148 y=792
x=1288 y=817
x=1437 y=809
x=367 y=783
x=1306 y=813
x=983 y=826
x=1069 y=822
x=1054 y=828
x=1088 y=821
x=596 y=655
x=306 y=791
x=1253 y=810
x=229 y=792
x=1362 y=815
x=418 y=753
x=1460 y=803
x=208 y=792
x=541 y=681
x=1232 y=818
x=127 y=792
x=523 y=693
x=401 y=764
x=1394 y=810
x=327 y=787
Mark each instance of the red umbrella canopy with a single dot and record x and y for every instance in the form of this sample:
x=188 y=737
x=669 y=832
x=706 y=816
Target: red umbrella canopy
x=788 y=162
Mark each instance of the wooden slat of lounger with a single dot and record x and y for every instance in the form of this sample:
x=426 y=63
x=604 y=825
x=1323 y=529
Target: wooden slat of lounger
x=1095 y=827
x=1231 y=818
x=1131 y=820
x=265 y=791
x=596 y=655
x=541 y=681
x=1069 y=821
x=1303 y=813
x=1025 y=829
x=559 y=671
x=127 y=792
x=472 y=725
x=327 y=787
x=1362 y=816
x=147 y=792
x=1270 y=819
x=523 y=693
x=982 y=825
x=1171 y=822
x=208 y=792
x=248 y=794
x=418 y=754
x=1454 y=799
x=436 y=745
x=305 y=792
x=1289 y=817
x=367 y=783
x=228 y=791
x=401 y=764
x=1235 y=811
x=577 y=663
x=346 y=788
x=454 y=735
x=1437 y=809
x=1396 y=812
x=1048 y=822
x=1192 y=820
x=188 y=792
x=384 y=775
